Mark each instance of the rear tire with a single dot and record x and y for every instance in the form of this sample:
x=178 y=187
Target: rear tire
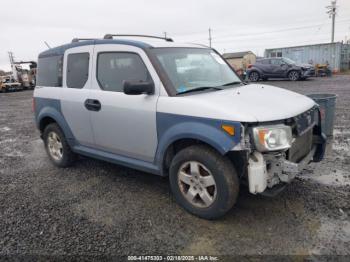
x=294 y=75
x=57 y=147
x=203 y=182
x=254 y=76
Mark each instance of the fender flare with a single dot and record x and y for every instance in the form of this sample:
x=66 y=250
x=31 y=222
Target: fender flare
x=209 y=134
x=59 y=119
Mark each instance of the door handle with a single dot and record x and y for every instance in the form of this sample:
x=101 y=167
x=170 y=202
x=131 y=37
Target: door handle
x=92 y=105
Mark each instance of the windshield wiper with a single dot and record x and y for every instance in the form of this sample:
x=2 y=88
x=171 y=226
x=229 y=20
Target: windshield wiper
x=199 y=89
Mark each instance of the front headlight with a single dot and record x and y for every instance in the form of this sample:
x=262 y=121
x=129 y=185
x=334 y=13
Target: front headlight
x=270 y=138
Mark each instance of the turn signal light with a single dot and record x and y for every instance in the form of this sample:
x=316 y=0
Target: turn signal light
x=229 y=129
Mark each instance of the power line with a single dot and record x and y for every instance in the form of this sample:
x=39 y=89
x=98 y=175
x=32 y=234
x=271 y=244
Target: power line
x=219 y=28
x=227 y=37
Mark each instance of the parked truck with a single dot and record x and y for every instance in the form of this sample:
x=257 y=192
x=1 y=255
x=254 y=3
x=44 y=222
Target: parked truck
x=26 y=77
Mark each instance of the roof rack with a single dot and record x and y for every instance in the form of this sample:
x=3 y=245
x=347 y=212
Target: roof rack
x=110 y=36
x=75 y=40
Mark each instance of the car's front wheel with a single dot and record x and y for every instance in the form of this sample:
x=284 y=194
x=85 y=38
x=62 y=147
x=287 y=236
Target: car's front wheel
x=204 y=182
x=57 y=147
x=294 y=75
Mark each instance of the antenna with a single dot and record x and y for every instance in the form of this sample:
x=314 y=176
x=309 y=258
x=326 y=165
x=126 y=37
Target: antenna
x=47 y=44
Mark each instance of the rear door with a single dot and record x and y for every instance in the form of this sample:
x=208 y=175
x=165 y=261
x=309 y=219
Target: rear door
x=76 y=88
x=125 y=124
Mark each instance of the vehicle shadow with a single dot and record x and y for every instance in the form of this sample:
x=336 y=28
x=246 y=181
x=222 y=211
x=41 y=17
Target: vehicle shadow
x=154 y=191
x=120 y=199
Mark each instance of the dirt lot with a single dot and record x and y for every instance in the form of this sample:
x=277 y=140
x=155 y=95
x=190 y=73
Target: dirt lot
x=98 y=208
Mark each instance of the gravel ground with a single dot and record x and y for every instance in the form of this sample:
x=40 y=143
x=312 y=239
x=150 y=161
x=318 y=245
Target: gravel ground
x=96 y=208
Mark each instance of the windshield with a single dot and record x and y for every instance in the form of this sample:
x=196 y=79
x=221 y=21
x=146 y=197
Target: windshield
x=288 y=61
x=193 y=68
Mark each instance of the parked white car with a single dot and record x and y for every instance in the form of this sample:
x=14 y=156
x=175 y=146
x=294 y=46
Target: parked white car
x=174 y=110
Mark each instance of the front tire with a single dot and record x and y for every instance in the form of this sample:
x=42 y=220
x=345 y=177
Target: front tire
x=294 y=75
x=57 y=147
x=203 y=182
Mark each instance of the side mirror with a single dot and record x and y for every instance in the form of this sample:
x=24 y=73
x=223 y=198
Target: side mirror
x=138 y=87
x=283 y=64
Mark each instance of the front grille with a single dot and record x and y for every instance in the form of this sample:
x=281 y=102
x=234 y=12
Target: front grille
x=305 y=121
x=301 y=146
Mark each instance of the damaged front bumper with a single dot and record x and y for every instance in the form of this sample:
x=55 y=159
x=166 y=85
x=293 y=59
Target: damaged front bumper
x=268 y=172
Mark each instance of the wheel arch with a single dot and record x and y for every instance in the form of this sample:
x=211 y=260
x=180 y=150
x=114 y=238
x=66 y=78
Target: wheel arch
x=293 y=69
x=178 y=145
x=186 y=134
x=50 y=115
x=44 y=122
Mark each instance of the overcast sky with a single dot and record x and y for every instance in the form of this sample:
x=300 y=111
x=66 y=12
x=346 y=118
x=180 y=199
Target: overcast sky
x=236 y=25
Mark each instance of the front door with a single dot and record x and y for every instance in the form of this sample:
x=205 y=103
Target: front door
x=125 y=124
x=277 y=67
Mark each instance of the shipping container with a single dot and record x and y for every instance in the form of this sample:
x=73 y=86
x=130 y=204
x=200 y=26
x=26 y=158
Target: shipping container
x=337 y=55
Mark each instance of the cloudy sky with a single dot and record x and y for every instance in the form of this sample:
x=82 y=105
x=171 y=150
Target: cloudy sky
x=236 y=25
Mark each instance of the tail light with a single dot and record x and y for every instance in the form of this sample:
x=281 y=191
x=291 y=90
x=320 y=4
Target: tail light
x=250 y=66
x=33 y=105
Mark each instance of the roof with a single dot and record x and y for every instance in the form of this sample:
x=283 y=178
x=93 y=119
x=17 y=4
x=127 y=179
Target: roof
x=141 y=44
x=236 y=54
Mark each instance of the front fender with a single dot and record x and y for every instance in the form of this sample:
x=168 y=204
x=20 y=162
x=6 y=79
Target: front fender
x=171 y=128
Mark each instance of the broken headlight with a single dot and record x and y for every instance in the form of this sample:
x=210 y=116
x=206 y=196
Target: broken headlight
x=270 y=138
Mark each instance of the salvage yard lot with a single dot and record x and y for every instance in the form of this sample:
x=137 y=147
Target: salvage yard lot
x=96 y=208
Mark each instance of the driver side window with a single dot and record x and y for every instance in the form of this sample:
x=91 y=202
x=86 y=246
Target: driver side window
x=276 y=62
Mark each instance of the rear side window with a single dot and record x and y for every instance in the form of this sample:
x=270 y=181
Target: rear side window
x=50 y=71
x=77 y=70
x=114 y=68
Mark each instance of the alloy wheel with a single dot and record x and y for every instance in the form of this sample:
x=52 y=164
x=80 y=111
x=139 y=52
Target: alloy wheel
x=254 y=76
x=294 y=75
x=55 y=146
x=197 y=184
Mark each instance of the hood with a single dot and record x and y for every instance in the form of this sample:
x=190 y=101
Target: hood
x=249 y=103
x=304 y=65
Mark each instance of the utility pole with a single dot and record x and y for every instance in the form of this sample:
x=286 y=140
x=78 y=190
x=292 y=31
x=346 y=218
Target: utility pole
x=210 y=37
x=332 y=11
